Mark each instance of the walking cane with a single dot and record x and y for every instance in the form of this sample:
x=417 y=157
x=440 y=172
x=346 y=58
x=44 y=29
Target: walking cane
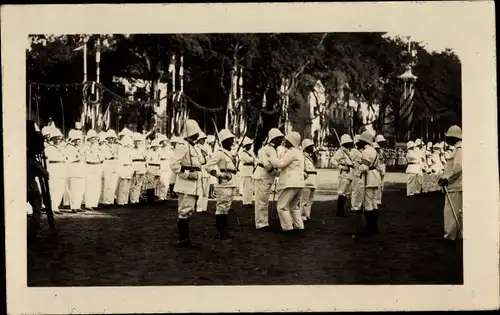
x=453 y=210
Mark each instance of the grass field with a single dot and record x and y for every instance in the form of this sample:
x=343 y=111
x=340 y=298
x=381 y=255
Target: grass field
x=136 y=246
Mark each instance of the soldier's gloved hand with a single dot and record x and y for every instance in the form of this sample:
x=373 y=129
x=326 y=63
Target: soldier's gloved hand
x=193 y=175
x=443 y=182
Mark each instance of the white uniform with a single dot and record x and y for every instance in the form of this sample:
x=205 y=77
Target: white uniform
x=110 y=166
x=223 y=162
x=453 y=173
x=356 y=196
x=125 y=174
x=247 y=163
x=57 y=168
x=414 y=169
x=139 y=164
x=166 y=155
x=153 y=169
x=204 y=187
x=290 y=184
x=186 y=160
x=94 y=161
x=427 y=171
x=342 y=161
x=437 y=169
x=382 y=158
x=370 y=175
x=77 y=175
x=310 y=186
x=423 y=169
x=264 y=177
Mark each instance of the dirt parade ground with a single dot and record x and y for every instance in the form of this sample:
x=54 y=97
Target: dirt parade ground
x=137 y=246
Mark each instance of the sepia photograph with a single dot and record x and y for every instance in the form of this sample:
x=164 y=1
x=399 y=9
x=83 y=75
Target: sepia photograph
x=222 y=159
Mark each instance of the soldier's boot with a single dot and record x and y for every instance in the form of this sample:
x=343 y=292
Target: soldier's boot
x=184 y=241
x=150 y=195
x=219 y=224
x=226 y=227
x=341 y=206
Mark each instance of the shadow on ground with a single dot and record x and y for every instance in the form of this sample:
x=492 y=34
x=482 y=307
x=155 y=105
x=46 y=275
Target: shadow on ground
x=137 y=247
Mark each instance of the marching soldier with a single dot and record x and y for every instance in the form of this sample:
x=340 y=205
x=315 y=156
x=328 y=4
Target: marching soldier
x=310 y=185
x=186 y=165
x=382 y=156
x=343 y=162
x=413 y=169
x=222 y=165
x=110 y=165
x=210 y=148
x=356 y=195
x=57 y=168
x=310 y=175
x=77 y=170
x=202 y=203
x=153 y=160
x=94 y=161
x=125 y=170
x=247 y=160
x=421 y=157
x=452 y=182
x=139 y=163
x=378 y=194
x=264 y=177
x=175 y=142
x=370 y=175
x=165 y=170
x=290 y=183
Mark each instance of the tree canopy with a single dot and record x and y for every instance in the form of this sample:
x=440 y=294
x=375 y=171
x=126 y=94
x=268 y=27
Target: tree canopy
x=368 y=63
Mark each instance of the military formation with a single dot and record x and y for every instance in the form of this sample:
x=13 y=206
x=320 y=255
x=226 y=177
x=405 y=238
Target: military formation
x=101 y=170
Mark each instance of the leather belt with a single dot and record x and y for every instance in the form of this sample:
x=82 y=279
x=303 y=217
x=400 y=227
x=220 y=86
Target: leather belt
x=139 y=160
x=154 y=164
x=261 y=165
x=249 y=164
x=311 y=172
x=53 y=162
x=94 y=163
x=190 y=168
x=372 y=168
x=78 y=161
x=110 y=159
x=163 y=159
x=228 y=171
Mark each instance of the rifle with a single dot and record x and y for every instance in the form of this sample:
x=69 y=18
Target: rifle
x=44 y=185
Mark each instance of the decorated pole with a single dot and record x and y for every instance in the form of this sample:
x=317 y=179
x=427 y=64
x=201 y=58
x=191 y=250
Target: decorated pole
x=98 y=79
x=171 y=70
x=409 y=80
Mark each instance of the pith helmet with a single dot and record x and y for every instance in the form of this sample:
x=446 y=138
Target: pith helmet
x=191 y=128
x=410 y=145
x=294 y=138
x=380 y=138
x=201 y=136
x=91 y=134
x=454 y=132
x=367 y=137
x=273 y=134
x=225 y=134
x=356 y=138
x=345 y=139
x=247 y=141
x=307 y=143
x=110 y=133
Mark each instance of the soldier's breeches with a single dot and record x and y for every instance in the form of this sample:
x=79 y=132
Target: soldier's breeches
x=123 y=191
x=412 y=184
x=262 y=194
x=77 y=191
x=248 y=188
x=306 y=201
x=57 y=186
x=344 y=186
x=288 y=209
x=186 y=204
x=225 y=198
x=136 y=188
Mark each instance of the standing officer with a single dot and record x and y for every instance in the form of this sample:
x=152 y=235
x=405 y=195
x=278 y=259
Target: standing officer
x=222 y=165
x=165 y=170
x=342 y=161
x=125 y=170
x=413 y=169
x=310 y=185
x=247 y=163
x=57 y=168
x=370 y=180
x=94 y=161
x=186 y=165
x=202 y=203
x=139 y=164
x=452 y=181
x=290 y=183
x=382 y=156
x=356 y=195
x=264 y=177
x=211 y=147
x=77 y=170
x=153 y=160
x=110 y=165
x=175 y=142
x=421 y=160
